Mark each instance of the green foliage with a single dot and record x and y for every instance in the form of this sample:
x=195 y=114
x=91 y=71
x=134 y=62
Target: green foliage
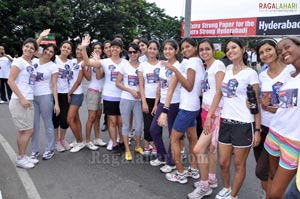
x=71 y=18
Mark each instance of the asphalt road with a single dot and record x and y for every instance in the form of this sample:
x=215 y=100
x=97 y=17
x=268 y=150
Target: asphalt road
x=89 y=175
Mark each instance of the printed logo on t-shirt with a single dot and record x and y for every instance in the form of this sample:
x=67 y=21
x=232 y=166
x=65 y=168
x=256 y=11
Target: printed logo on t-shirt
x=64 y=73
x=32 y=76
x=164 y=83
x=153 y=77
x=113 y=73
x=35 y=65
x=274 y=95
x=168 y=73
x=204 y=83
x=39 y=77
x=288 y=98
x=132 y=80
x=229 y=89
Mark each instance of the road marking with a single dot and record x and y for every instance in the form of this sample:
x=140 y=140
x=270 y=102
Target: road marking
x=28 y=184
x=0 y=195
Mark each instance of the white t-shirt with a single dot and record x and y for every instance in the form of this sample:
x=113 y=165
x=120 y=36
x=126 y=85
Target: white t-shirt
x=143 y=58
x=269 y=86
x=151 y=78
x=96 y=84
x=110 y=69
x=190 y=100
x=64 y=70
x=43 y=84
x=286 y=119
x=25 y=79
x=5 y=64
x=165 y=76
x=74 y=73
x=234 y=89
x=208 y=84
x=130 y=80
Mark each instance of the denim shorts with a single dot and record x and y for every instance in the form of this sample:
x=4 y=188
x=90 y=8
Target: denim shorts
x=184 y=120
x=76 y=99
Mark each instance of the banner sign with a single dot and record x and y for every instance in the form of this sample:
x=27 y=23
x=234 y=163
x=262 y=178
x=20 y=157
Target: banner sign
x=245 y=27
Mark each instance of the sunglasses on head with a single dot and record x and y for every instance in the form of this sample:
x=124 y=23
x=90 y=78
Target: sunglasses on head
x=132 y=52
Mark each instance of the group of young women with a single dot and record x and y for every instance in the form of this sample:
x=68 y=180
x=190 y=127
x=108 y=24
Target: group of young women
x=158 y=93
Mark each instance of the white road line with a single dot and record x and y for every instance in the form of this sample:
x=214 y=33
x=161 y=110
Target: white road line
x=23 y=174
x=0 y=195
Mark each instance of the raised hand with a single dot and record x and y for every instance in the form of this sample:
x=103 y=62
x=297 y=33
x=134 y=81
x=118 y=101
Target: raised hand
x=85 y=41
x=45 y=32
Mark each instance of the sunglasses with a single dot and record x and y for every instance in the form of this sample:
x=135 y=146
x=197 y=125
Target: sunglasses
x=132 y=52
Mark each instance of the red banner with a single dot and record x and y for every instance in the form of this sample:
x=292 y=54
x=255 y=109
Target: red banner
x=222 y=28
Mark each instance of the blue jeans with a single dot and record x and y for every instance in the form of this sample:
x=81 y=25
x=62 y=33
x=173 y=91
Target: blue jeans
x=292 y=191
x=43 y=106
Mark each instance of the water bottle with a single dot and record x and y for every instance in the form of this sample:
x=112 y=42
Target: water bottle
x=252 y=99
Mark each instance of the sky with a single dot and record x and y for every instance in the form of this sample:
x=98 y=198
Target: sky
x=222 y=9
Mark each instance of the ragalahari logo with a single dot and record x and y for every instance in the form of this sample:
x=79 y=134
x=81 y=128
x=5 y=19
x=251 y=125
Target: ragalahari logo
x=278 y=7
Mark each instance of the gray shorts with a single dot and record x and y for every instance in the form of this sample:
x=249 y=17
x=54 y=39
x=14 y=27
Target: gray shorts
x=22 y=117
x=93 y=100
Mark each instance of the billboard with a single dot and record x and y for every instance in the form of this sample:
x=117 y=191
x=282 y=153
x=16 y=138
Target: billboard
x=245 y=27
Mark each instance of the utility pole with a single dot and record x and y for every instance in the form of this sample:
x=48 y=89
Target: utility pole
x=187 y=17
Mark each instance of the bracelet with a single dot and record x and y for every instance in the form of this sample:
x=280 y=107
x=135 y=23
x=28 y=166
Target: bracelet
x=259 y=130
x=165 y=110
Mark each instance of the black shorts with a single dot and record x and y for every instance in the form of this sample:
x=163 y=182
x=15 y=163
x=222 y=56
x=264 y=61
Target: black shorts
x=236 y=133
x=111 y=107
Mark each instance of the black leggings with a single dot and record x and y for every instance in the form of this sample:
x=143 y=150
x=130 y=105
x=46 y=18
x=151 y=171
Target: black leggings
x=61 y=119
x=148 y=120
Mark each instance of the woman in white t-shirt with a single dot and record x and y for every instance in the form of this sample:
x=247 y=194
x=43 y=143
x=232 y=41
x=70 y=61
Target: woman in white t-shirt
x=45 y=100
x=237 y=132
x=270 y=81
x=127 y=81
x=64 y=63
x=148 y=81
x=93 y=99
x=75 y=98
x=111 y=94
x=166 y=111
x=21 y=81
x=211 y=117
x=283 y=140
x=189 y=77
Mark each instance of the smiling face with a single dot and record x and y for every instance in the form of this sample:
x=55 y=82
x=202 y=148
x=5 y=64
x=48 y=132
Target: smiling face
x=188 y=50
x=97 y=49
x=79 y=51
x=143 y=47
x=205 y=51
x=169 y=51
x=152 y=51
x=66 y=49
x=133 y=54
x=234 y=52
x=115 y=50
x=267 y=54
x=49 y=53
x=107 y=49
x=28 y=49
x=289 y=52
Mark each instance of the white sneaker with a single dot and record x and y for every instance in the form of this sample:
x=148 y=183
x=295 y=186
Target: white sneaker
x=224 y=193
x=212 y=184
x=193 y=173
x=200 y=192
x=91 y=146
x=33 y=161
x=99 y=142
x=177 y=177
x=2 y=102
x=77 y=147
x=109 y=145
x=167 y=168
x=73 y=144
x=156 y=162
x=24 y=163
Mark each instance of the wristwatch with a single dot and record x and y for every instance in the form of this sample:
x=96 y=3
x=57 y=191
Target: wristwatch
x=259 y=130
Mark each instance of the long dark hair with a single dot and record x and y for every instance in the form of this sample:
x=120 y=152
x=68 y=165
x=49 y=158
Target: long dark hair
x=241 y=44
x=54 y=48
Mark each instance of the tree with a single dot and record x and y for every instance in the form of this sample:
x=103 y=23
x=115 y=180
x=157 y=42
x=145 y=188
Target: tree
x=69 y=19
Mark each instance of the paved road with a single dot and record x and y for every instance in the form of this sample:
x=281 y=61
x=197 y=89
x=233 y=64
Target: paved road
x=90 y=175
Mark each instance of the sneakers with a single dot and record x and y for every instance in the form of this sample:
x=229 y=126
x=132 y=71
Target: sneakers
x=224 y=193
x=65 y=144
x=77 y=147
x=48 y=155
x=116 y=150
x=146 y=151
x=91 y=146
x=139 y=150
x=153 y=151
x=157 y=162
x=33 y=161
x=200 y=192
x=177 y=177
x=34 y=155
x=99 y=142
x=128 y=156
x=109 y=145
x=193 y=173
x=60 y=147
x=212 y=184
x=24 y=163
x=73 y=144
x=2 y=102
x=167 y=169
